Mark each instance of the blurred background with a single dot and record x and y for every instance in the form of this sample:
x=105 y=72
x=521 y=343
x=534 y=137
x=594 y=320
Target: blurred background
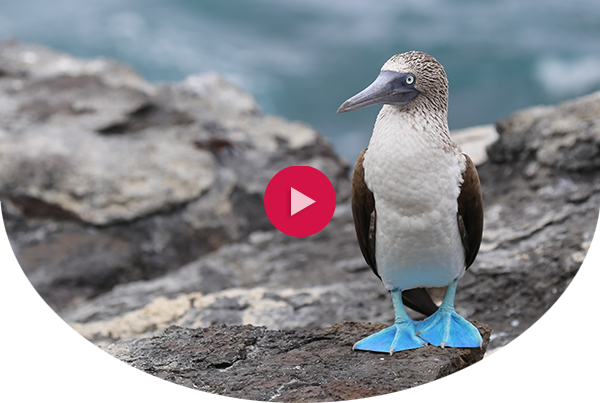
x=302 y=58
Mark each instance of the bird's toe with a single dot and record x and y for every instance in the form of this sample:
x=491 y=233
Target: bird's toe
x=398 y=337
x=449 y=329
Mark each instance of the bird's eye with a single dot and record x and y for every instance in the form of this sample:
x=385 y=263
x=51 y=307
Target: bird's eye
x=410 y=80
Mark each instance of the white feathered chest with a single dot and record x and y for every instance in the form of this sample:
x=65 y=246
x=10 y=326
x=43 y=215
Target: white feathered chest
x=415 y=171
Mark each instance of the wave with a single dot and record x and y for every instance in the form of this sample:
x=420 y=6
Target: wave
x=560 y=77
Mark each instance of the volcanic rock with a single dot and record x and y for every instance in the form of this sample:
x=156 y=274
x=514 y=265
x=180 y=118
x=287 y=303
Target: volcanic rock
x=136 y=211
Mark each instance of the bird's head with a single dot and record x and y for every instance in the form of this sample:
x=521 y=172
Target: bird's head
x=406 y=80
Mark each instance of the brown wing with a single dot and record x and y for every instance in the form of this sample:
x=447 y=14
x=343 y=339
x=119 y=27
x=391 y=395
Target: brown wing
x=470 y=212
x=364 y=213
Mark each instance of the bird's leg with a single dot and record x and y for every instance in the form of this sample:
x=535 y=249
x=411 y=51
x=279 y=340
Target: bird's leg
x=446 y=328
x=400 y=336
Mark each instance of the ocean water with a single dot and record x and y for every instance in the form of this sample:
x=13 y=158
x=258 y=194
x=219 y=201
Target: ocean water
x=302 y=58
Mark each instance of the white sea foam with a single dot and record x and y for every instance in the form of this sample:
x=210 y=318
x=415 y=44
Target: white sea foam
x=560 y=77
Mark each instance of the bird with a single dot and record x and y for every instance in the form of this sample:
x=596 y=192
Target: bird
x=417 y=204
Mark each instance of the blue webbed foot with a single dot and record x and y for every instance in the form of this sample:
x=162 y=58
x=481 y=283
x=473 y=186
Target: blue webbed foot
x=398 y=337
x=446 y=328
x=449 y=329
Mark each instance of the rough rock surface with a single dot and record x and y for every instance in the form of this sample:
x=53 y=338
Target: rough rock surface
x=541 y=192
x=108 y=179
x=286 y=365
x=128 y=207
x=133 y=207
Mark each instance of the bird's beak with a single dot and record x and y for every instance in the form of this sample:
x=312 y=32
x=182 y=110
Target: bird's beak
x=389 y=88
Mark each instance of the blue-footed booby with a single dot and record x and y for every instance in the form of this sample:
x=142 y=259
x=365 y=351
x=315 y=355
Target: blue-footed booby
x=416 y=203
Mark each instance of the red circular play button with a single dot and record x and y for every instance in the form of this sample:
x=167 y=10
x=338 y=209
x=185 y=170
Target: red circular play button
x=300 y=201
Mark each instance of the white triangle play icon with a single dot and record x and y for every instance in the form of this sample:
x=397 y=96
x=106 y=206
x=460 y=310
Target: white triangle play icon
x=299 y=201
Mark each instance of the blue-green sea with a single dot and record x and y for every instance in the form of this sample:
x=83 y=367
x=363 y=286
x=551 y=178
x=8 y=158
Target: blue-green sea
x=302 y=58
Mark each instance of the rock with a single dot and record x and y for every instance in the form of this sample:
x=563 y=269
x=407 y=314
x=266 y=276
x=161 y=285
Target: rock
x=267 y=280
x=256 y=363
x=474 y=141
x=106 y=178
x=566 y=137
x=545 y=385
x=133 y=207
x=541 y=196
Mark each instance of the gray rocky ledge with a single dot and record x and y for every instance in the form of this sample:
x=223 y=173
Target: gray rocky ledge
x=134 y=207
x=318 y=365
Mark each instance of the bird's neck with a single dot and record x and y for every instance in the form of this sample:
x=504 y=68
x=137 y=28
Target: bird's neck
x=414 y=127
